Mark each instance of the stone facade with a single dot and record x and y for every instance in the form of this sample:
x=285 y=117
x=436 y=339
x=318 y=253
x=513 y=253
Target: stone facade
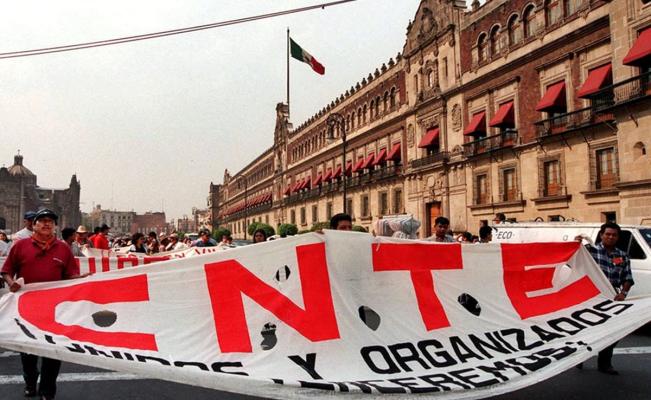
x=490 y=110
x=19 y=192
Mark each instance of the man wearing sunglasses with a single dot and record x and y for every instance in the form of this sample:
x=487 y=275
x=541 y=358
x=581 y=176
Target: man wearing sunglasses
x=41 y=258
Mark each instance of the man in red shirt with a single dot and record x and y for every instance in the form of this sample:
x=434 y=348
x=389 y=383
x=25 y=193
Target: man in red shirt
x=41 y=258
x=100 y=241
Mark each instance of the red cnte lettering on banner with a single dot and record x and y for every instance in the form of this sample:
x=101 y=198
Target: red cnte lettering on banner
x=38 y=308
x=420 y=260
x=229 y=280
x=519 y=280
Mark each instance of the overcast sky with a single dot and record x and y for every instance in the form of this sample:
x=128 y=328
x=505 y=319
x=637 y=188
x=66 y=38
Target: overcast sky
x=148 y=125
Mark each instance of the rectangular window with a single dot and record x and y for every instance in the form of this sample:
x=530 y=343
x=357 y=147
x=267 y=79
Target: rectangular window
x=552 y=186
x=303 y=216
x=266 y=219
x=606 y=176
x=397 y=201
x=383 y=203
x=328 y=211
x=315 y=214
x=292 y=217
x=481 y=189
x=349 y=207
x=445 y=67
x=510 y=187
x=365 y=206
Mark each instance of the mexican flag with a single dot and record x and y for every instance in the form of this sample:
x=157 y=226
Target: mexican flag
x=302 y=55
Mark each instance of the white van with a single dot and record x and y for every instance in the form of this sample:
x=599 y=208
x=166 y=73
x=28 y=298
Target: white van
x=635 y=240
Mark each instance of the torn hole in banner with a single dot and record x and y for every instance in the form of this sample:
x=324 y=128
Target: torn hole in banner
x=104 y=318
x=369 y=317
x=282 y=275
x=269 y=338
x=469 y=303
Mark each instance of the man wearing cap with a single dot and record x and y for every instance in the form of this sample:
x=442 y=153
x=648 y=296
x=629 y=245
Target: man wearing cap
x=81 y=242
x=26 y=232
x=41 y=258
x=101 y=239
x=205 y=240
x=174 y=243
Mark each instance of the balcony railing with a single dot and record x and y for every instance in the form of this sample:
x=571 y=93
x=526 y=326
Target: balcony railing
x=490 y=143
x=572 y=121
x=623 y=92
x=439 y=157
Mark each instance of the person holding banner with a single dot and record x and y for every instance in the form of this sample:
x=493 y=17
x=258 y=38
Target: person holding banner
x=441 y=228
x=138 y=244
x=41 y=258
x=616 y=265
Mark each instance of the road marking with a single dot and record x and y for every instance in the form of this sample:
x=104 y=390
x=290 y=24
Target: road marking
x=633 y=350
x=6 y=354
x=85 y=377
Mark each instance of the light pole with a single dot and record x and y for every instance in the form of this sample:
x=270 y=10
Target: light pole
x=333 y=120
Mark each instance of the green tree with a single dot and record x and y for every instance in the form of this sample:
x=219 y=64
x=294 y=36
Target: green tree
x=268 y=229
x=219 y=232
x=359 y=228
x=319 y=226
x=253 y=226
x=285 y=230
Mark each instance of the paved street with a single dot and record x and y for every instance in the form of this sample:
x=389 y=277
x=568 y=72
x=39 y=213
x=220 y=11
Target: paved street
x=633 y=360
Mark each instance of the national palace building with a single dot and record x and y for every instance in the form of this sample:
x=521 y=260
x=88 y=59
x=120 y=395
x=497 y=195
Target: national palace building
x=537 y=109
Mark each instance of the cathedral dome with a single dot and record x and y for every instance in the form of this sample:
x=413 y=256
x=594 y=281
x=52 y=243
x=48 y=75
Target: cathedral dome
x=18 y=169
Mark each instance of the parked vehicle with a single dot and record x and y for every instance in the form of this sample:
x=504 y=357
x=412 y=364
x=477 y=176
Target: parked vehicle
x=635 y=240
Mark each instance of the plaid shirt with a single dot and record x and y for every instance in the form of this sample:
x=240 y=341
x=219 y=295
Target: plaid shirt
x=616 y=265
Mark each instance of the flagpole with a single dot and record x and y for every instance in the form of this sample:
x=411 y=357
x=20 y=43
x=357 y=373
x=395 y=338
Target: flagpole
x=288 y=50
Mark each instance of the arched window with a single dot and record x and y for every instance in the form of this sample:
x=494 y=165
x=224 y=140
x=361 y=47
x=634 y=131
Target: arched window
x=348 y=122
x=374 y=113
x=529 y=21
x=495 y=38
x=352 y=121
x=430 y=78
x=359 y=117
x=515 y=32
x=365 y=113
x=482 y=48
x=553 y=12
x=377 y=106
x=386 y=101
x=392 y=98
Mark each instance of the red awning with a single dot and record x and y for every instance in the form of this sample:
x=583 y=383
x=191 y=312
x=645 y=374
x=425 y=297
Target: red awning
x=337 y=172
x=380 y=158
x=641 y=48
x=430 y=138
x=304 y=183
x=349 y=168
x=368 y=163
x=318 y=180
x=553 y=99
x=505 y=116
x=328 y=176
x=269 y=197
x=477 y=124
x=395 y=154
x=358 y=165
x=288 y=190
x=297 y=184
x=597 y=79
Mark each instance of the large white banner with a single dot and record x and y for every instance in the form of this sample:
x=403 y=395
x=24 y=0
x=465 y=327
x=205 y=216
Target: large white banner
x=340 y=313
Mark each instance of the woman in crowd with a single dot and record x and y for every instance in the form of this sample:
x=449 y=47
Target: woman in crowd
x=138 y=244
x=259 y=236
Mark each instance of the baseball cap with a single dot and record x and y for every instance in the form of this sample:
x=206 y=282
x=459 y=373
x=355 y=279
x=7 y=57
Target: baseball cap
x=29 y=215
x=45 y=213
